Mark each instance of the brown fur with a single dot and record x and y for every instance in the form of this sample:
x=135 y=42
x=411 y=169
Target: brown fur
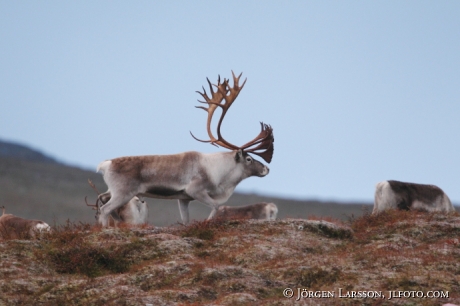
x=12 y=227
x=254 y=211
x=133 y=166
x=410 y=192
x=410 y=196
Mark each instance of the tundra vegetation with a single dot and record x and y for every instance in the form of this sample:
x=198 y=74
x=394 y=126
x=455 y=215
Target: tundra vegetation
x=236 y=262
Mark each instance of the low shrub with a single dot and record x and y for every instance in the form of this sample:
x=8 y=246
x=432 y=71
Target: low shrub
x=69 y=250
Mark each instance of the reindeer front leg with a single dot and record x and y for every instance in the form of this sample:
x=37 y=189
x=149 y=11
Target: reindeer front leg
x=183 y=209
x=197 y=192
x=116 y=201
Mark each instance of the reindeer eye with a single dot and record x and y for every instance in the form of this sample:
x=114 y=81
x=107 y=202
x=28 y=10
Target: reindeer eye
x=248 y=159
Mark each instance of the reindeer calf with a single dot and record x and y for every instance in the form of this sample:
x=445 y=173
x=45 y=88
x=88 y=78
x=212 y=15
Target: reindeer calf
x=12 y=227
x=260 y=211
x=408 y=196
x=135 y=212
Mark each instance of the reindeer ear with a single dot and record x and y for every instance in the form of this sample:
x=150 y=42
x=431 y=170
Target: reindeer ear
x=239 y=155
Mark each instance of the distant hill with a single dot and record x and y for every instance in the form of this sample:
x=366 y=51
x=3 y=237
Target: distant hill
x=34 y=185
x=19 y=151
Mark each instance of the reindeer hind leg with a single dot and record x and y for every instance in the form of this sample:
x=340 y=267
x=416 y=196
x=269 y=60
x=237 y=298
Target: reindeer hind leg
x=115 y=202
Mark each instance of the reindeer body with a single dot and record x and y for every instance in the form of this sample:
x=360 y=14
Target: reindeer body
x=408 y=196
x=259 y=211
x=208 y=178
x=13 y=227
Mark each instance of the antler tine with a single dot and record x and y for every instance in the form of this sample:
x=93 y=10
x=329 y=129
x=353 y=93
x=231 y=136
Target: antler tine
x=263 y=141
x=266 y=132
x=215 y=101
x=96 y=206
x=205 y=95
x=210 y=110
x=229 y=99
x=93 y=186
x=91 y=205
x=234 y=91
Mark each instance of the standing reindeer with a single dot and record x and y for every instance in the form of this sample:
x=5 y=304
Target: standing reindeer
x=407 y=196
x=135 y=212
x=208 y=178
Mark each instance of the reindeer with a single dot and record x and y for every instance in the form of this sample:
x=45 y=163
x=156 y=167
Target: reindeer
x=260 y=211
x=12 y=227
x=208 y=178
x=408 y=196
x=135 y=212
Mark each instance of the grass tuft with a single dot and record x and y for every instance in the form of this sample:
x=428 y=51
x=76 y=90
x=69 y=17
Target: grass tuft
x=316 y=277
x=205 y=230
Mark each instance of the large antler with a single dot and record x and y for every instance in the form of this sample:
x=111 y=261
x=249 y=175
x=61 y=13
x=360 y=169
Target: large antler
x=216 y=100
x=264 y=140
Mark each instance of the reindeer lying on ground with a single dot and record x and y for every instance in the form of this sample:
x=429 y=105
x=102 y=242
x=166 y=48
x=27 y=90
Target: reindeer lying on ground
x=410 y=196
x=208 y=178
x=12 y=227
x=135 y=212
x=260 y=211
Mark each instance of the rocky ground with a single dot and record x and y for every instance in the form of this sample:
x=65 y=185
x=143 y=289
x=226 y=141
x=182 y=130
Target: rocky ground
x=240 y=262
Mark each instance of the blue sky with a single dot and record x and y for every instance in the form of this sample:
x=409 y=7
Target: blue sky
x=357 y=91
